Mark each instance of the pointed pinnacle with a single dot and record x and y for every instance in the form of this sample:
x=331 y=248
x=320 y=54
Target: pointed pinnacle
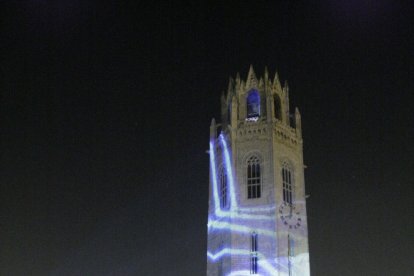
x=231 y=84
x=266 y=73
x=276 y=78
x=261 y=82
x=251 y=77
x=213 y=122
x=251 y=73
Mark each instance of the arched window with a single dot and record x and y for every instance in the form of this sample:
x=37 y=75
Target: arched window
x=253 y=105
x=253 y=253
x=287 y=183
x=223 y=188
x=278 y=107
x=253 y=177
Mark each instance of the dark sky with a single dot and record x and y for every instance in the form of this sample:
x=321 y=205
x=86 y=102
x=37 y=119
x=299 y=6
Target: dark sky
x=104 y=122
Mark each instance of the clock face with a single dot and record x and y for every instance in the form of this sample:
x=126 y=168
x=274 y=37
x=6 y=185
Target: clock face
x=290 y=215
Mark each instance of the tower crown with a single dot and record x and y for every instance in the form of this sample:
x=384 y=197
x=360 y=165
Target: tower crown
x=253 y=100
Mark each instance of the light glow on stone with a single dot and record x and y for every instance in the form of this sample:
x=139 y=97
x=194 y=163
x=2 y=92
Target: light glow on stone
x=252 y=119
x=245 y=220
x=229 y=169
x=214 y=174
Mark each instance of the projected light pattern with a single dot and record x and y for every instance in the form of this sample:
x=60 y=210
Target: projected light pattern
x=233 y=212
x=244 y=221
x=229 y=169
x=234 y=252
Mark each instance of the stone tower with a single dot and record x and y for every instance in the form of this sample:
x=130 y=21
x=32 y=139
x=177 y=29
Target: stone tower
x=257 y=211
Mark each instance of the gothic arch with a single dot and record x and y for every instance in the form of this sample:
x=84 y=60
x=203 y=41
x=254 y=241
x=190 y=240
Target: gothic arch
x=253 y=168
x=285 y=160
x=250 y=154
x=287 y=172
x=223 y=187
x=252 y=104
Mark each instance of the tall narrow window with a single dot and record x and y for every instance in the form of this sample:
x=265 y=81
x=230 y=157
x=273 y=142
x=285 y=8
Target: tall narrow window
x=278 y=107
x=253 y=254
x=223 y=188
x=287 y=183
x=253 y=105
x=253 y=177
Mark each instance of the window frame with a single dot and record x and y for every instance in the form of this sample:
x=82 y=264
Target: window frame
x=253 y=253
x=254 y=177
x=253 y=109
x=287 y=183
x=223 y=188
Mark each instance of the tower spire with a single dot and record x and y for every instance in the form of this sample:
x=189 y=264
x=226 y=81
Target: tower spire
x=238 y=78
x=251 y=78
x=276 y=82
x=230 y=88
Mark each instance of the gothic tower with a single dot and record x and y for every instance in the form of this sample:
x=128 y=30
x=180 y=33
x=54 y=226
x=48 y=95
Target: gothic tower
x=257 y=211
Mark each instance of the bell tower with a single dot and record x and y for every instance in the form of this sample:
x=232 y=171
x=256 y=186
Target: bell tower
x=257 y=223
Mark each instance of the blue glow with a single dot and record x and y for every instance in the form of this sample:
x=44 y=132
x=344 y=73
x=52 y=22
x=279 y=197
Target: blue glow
x=229 y=169
x=233 y=212
x=214 y=175
x=245 y=220
x=265 y=265
x=253 y=104
x=241 y=273
x=239 y=228
x=301 y=262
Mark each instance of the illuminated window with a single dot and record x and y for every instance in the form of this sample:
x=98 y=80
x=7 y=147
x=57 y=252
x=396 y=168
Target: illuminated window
x=223 y=188
x=278 y=109
x=253 y=254
x=287 y=183
x=253 y=105
x=253 y=177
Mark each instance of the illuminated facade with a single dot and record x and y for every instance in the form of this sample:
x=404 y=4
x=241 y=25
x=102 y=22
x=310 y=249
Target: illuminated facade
x=257 y=211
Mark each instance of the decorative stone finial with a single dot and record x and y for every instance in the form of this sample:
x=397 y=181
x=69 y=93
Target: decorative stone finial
x=251 y=78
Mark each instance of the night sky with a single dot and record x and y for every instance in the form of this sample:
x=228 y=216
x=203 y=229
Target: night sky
x=104 y=123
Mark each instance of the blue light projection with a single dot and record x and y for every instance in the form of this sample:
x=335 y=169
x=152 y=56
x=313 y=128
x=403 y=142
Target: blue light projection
x=253 y=105
x=233 y=212
x=229 y=173
x=245 y=220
